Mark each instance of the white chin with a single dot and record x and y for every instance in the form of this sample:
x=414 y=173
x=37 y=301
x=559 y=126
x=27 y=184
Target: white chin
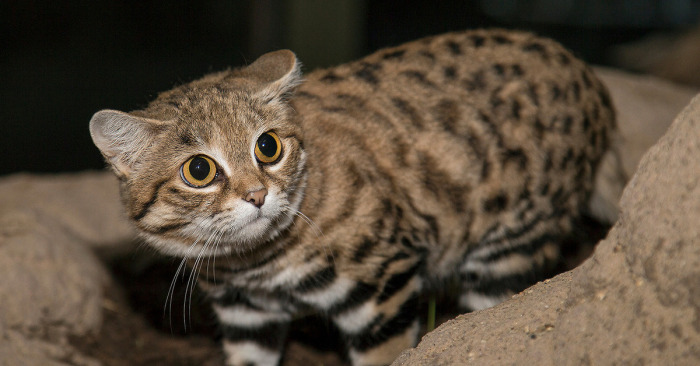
x=253 y=232
x=237 y=241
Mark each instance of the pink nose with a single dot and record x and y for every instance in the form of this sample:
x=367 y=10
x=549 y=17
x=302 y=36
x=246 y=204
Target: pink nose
x=257 y=198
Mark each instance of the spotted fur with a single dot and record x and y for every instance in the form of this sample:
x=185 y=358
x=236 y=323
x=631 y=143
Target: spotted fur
x=464 y=155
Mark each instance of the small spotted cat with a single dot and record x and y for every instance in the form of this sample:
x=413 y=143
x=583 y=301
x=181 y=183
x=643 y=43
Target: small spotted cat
x=467 y=155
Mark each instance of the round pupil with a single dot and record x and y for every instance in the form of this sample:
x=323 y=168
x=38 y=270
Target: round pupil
x=267 y=145
x=199 y=168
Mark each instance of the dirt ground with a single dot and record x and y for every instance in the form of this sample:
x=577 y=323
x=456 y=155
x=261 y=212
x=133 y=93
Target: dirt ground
x=137 y=330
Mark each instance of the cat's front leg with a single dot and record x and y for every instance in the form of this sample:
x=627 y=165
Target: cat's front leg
x=254 y=332
x=378 y=329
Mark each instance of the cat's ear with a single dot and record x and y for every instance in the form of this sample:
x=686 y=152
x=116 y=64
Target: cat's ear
x=279 y=73
x=122 y=137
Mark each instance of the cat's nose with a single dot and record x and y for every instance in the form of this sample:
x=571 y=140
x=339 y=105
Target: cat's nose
x=256 y=198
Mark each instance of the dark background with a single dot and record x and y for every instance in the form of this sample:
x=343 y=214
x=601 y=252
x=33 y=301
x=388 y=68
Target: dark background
x=61 y=61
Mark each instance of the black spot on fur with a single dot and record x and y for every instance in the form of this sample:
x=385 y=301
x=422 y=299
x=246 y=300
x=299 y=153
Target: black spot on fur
x=394 y=54
x=428 y=54
x=499 y=69
x=418 y=76
x=566 y=124
x=447 y=113
x=500 y=39
x=408 y=110
x=334 y=109
x=496 y=203
x=536 y=48
x=586 y=79
x=516 y=156
x=331 y=77
x=548 y=165
x=515 y=109
x=539 y=128
x=532 y=94
x=454 y=48
x=576 y=89
x=351 y=100
x=517 y=70
x=605 y=99
x=450 y=72
x=476 y=82
x=485 y=169
x=367 y=73
x=564 y=58
x=490 y=127
x=364 y=249
x=477 y=40
x=568 y=157
x=555 y=91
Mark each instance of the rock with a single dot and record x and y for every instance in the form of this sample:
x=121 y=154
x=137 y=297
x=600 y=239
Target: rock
x=635 y=301
x=645 y=107
x=52 y=284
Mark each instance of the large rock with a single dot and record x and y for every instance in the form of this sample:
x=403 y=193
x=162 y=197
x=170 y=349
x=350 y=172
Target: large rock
x=635 y=301
x=645 y=107
x=51 y=283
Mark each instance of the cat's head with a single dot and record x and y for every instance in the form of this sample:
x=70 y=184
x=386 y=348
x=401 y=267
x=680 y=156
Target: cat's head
x=212 y=167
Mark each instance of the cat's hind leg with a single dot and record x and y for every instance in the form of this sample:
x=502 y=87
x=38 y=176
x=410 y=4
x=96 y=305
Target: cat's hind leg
x=507 y=264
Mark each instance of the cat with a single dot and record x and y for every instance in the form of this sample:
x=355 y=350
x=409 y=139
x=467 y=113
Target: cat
x=467 y=155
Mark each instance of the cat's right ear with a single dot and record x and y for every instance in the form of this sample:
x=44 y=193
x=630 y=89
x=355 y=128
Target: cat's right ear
x=122 y=137
x=279 y=73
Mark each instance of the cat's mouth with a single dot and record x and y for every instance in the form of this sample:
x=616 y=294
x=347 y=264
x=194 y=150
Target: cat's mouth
x=242 y=229
x=231 y=234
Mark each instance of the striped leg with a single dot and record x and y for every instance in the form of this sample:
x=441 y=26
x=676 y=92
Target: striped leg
x=252 y=334
x=495 y=272
x=378 y=329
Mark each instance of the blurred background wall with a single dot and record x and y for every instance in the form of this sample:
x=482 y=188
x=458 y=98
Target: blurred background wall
x=61 y=61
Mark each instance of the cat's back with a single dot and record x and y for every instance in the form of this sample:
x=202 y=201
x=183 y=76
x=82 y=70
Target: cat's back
x=467 y=124
x=496 y=86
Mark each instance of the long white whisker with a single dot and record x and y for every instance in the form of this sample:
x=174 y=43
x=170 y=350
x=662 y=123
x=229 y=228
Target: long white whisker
x=311 y=223
x=168 y=306
x=194 y=275
x=316 y=229
x=189 y=287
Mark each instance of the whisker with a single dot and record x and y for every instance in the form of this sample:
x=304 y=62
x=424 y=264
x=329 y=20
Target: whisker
x=311 y=223
x=317 y=230
x=189 y=288
x=168 y=306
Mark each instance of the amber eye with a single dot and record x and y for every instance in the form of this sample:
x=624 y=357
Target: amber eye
x=198 y=172
x=268 y=148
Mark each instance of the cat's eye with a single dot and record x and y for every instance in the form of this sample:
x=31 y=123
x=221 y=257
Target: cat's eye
x=268 y=147
x=198 y=171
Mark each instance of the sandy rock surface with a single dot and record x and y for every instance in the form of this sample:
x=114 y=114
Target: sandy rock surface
x=52 y=283
x=635 y=301
x=637 y=298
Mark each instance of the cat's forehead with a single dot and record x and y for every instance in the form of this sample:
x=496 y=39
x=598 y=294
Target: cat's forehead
x=214 y=111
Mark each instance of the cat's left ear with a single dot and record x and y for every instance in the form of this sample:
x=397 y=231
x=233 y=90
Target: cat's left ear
x=122 y=137
x=278 y=72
